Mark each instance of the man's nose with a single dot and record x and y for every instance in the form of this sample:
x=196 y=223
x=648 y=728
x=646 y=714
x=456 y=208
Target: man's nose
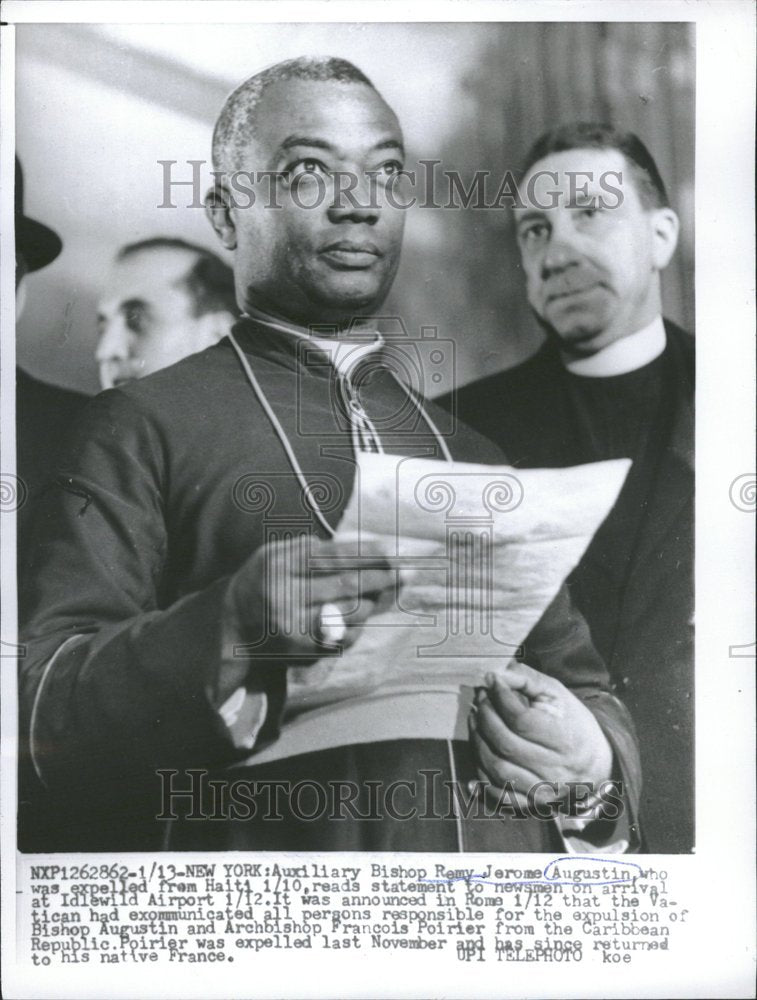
x=561 y=251
x=355 y=198
x=113 y=344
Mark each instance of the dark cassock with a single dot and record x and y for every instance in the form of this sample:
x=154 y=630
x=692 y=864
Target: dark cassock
x=634 y=585
x=44 y=413
x=167 y=486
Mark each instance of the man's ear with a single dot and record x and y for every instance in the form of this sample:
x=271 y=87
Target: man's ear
x=665 y=228
x=211 y=328
x=20 y=296
x=218 y=211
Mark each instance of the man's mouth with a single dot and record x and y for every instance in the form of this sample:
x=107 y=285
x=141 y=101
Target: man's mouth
x=110 y=379
x=351 y=253
x=572 y=291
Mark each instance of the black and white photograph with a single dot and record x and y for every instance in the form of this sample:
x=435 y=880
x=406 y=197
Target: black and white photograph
x=358 y=496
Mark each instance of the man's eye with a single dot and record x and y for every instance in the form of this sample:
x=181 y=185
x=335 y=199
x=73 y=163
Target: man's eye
x=307 y=166
x=135 y=321
x=389 y=169
x=533 y=233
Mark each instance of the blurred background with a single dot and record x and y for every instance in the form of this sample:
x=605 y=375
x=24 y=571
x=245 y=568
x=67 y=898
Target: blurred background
x=98 y=106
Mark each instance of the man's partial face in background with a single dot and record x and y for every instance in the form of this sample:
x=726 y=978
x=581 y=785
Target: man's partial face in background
x=146 y=316
x=22 y=269
x=331 y=262
x=592 y=251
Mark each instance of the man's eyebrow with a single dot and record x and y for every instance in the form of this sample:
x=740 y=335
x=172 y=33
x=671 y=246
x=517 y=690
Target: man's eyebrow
x=582 y=199
x=129 y=304
x=391 y=144
x=314 y=143
x=529 y=216
x=305 y=140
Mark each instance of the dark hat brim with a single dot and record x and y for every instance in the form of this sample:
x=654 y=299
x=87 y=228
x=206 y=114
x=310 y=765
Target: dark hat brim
x=39 y=245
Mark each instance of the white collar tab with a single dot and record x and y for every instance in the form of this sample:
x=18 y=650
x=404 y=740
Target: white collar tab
x=624 y=355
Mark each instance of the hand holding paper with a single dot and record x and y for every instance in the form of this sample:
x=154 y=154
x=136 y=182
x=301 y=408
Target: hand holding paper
x=527 y=727
x=478 y=554
x=282 y=589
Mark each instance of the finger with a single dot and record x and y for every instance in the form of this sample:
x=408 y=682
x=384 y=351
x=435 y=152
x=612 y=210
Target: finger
x=362 y=549
x=284 y=556
x=328 y=628
x=351 y=583
x=349 y=612
x=371 y=543
x=498 y=769
x=539 y=721
x=510 y=703
x=338 y=625
x=531 y=683
x=506 y=743
x=294 y=618
x=542 y=783
x=367 y=549
x=506 y=801
x=355 y=621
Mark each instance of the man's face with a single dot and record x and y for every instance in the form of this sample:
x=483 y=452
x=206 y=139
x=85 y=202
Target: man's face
x=331 y=262
x=22 y=269
x=592 y=258
x=146 y=316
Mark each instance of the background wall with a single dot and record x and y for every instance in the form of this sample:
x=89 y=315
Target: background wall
x=98 y=106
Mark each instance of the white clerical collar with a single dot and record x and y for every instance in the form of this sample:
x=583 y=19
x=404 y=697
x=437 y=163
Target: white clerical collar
x=624 y=355
x=342 y=351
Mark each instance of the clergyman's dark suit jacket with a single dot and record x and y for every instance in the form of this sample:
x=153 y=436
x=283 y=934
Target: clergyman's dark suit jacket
x=637 y=596
x=43 y=415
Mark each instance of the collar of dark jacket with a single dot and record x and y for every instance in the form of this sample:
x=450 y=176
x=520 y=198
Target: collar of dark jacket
x=679 y=360
x=293 y=351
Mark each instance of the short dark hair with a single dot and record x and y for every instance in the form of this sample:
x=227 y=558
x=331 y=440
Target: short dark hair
x=236 y=122
x=209 y=282
x=597 y=135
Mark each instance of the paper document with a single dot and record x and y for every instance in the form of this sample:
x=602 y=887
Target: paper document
x=480 y=552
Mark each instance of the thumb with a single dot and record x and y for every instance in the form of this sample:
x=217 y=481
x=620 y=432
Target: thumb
x=529 y=682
